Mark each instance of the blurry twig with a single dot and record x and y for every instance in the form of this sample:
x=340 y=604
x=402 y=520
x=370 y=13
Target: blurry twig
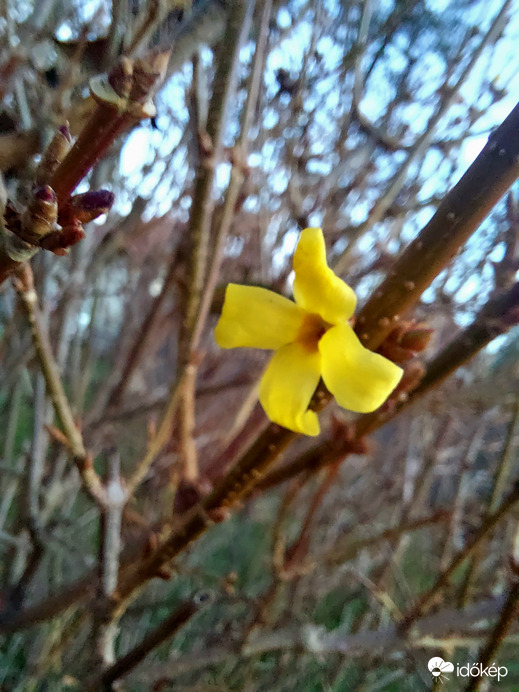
x=239 y=17
x=507 y=617
x=25 y=287
x=488 y=523
x=167 y=629
x=345 y=550
x=419 y=149
x=500 y=481
x=106 y=615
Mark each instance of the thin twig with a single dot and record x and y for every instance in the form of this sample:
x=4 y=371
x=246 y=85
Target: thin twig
x=24 y=285
x=167 y=629
x=507 y=617
x=106 y=616
x=487 y=525
x=420 y=148
x=239 y=16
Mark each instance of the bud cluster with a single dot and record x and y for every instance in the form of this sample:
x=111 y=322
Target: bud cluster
x=47 y=224
x=405 y=341
x=402 y=344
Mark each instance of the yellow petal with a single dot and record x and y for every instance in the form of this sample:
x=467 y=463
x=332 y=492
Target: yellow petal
x=316 y=288
x=360 y=380
x=287 y=386
x=257 y=318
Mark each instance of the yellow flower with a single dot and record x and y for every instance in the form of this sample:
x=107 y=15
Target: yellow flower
x=312 y=339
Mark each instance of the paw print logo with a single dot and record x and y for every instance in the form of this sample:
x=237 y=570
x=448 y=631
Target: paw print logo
x=438 y=667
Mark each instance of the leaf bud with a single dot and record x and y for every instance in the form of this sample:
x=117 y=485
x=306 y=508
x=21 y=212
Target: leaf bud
x=148 y=73
x=120 y=77
x=41 y=215
x=86 y=207
x=59 y=242
x=58 y=148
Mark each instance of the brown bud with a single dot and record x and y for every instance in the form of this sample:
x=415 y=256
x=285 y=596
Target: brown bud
x=38 y=220
x=148 y=73
x=59 y=242
x=45 y=194
x=65 y=132
x=395 y=352
x=58 y=148
x=86 y=207
x=120 y=77
x=164 y=573
x=417 y=339
x=219 y=514
x=405 y=341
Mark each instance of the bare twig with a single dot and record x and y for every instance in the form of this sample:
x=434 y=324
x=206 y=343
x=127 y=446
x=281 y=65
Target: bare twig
x=25 y=286
x=419 y=149
x=428 y=598
x=167 y=629
x=239 y=16
x=106 y=616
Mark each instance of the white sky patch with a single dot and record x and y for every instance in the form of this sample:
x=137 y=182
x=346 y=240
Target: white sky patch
x=495 y=345
x=468 y=290
x=135 y=151
x=83 y=319
x=223 y=174
x=437 y=5
x=283 y=19
x=286 y=250
x=155 y=287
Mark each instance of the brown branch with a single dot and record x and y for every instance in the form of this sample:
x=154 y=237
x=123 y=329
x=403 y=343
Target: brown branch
x=24 y=285
x=237 y=177
x=506 y=619
x=158 y=441
x=122 y=100
x=234 y=486
x=495 y=319
x=346 y=550
x=239 y=17
x=500 y=481
x=137 y=348
x=419 y=149
x=106 y=613
x=238 y=22
x=315 y=640
x=167 y=629
x=488 y=524
x=458 y=216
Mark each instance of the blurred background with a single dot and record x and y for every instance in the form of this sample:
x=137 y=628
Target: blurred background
x=356 y=116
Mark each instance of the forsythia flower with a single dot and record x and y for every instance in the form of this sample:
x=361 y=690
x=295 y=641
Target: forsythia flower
x=312 y=339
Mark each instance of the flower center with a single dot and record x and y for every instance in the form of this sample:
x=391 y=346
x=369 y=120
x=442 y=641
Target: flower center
x=311 y=331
